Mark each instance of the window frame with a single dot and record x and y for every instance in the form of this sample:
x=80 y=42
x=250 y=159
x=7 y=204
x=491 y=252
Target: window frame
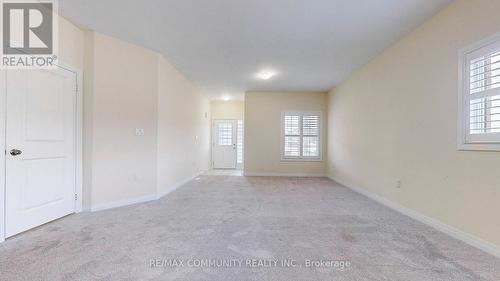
x=465 y=140
x=224 y=137
x=301 y=158
x=240 y=141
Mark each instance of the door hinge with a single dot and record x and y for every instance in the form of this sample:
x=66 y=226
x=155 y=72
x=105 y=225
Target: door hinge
x=76 y=197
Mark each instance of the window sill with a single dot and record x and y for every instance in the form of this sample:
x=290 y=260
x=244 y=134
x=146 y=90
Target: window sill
x=301 y=160
x=479 y=147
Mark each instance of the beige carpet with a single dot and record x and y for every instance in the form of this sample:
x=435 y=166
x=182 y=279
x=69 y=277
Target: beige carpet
x=244 y=228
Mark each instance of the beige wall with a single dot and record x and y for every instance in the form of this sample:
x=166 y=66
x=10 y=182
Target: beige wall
x=396 y=119
x=227 y=110
x=263 y=131
x=183 y=129
x=71 y=44
x=88 y=101
x=129 y=87
x=124 y=97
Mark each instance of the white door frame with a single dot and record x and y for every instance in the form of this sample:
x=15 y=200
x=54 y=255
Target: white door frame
x=79 y=142
x=214 y=140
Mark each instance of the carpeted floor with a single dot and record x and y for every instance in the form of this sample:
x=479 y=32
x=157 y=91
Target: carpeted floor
x=260 y=222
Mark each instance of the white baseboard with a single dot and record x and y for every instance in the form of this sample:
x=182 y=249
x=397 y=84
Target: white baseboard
x=142 y=199
x=472 y=240
x=177 y=185
x=121 y=203
x=304 y=175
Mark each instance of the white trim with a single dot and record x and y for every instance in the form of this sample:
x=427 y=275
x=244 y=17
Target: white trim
x=239 y=166
x=79 y=143
x=78 y=139
x=282 y=141
x=302 y=175
x=472 y=240
x=212 y=145
x=479 y=146
x=177 y=185
x=462 y=120
x=122 y=203
x=3 y=112
x=79 y=135
x=302 y=159
x=142 y=199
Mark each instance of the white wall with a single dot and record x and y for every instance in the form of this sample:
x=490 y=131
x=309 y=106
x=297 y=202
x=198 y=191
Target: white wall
x=396 y=119
x=263 y=132
x=183 y=129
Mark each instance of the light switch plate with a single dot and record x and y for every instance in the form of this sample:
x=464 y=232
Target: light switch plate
x=139 y=132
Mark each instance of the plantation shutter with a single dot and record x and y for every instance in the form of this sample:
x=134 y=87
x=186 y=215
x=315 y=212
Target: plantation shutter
x=292 y=136
x=483 y=84
x=310 y=135
x=301 y=135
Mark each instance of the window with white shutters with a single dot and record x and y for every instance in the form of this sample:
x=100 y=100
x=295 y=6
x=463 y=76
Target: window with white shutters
x=301 y=133
x=480 y=96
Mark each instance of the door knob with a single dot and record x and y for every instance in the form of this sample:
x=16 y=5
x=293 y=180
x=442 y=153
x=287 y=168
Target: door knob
x=15 y=152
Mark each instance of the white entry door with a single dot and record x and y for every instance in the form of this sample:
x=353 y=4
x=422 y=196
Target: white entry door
x=41 y=147
x=224 y=144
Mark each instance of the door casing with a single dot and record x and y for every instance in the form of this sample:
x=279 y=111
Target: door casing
x=78 y=134
x=214 y=140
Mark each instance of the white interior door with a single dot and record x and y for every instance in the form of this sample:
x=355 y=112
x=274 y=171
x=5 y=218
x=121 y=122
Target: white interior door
x=224 y=144
x=41 y=147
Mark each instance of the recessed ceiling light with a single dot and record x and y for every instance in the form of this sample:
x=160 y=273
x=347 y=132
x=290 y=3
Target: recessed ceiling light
x=266 y=74
x=226 y=98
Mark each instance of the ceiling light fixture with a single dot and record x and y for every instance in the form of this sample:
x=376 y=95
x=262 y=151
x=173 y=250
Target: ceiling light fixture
x=226 y=98
x=266 y=74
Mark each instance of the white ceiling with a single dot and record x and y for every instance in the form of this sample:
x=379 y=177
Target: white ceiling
x=221 y=44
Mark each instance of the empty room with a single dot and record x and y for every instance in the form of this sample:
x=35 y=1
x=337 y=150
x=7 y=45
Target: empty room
x=250 y=140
